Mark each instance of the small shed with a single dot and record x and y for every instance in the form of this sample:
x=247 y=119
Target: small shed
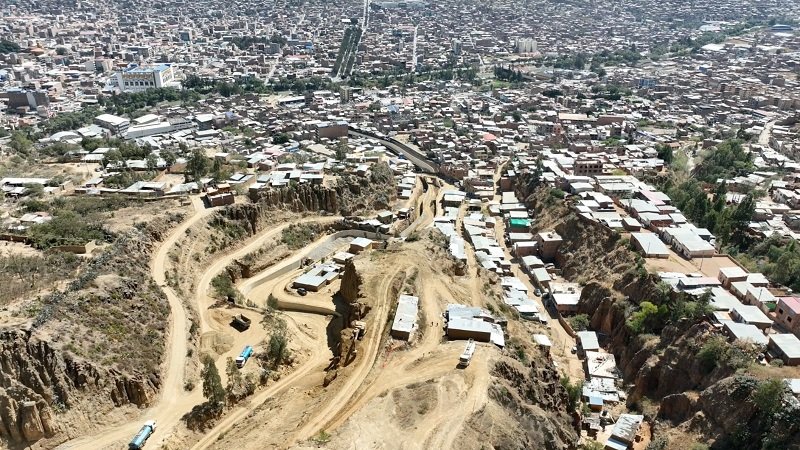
x=786 y=347
x=588 y=341
x=360 y=244
x=405 y=318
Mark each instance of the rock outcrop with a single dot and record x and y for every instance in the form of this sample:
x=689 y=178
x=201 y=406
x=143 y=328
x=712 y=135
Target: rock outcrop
x=349 y=196
x=34 y=376
x=526 y=411
x=93 y=346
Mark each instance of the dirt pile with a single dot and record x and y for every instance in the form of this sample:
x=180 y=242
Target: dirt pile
x=351 y=194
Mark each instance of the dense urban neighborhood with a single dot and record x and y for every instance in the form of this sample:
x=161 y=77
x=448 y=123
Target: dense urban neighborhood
x=299 y=224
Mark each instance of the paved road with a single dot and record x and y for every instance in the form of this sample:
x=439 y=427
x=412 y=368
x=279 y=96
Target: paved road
x=400 y=149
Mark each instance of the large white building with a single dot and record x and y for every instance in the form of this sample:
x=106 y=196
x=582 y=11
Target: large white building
x=117 y=125
x=142 y=78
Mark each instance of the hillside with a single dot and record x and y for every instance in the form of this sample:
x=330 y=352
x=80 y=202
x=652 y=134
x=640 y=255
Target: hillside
x=685 y=379
x=74 y=356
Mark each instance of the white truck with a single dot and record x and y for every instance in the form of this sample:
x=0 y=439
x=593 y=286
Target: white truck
x=466 y=357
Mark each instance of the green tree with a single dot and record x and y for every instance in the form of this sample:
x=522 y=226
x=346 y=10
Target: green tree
x=646 y=319
x=769 y=397
x=280 y=139
x=665 y=153
x=726 y=160
x=741 y=217
x=212 y=383
x=341 y=151
x=235 y=379
x=197 y=165
x=573 y=391
x=35 y=190
x=20 y=143
x=278 y=348
x=152 y=162
x=113 y=158
x=7 y=46
x=169 y=158
x=579 y=322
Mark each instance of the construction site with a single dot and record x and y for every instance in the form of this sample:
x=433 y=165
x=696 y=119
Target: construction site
x=386 y=333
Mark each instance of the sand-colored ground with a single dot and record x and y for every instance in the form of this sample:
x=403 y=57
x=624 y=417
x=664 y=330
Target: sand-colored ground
x=390 y=386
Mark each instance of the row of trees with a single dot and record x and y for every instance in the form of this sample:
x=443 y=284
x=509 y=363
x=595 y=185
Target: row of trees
x=726 y=160
x=777 y=257
x=728 y=222
x=130 y=103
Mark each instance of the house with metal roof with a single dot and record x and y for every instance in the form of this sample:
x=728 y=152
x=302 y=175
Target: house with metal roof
x=405 y=317
x=624 y=433
x=786 y=347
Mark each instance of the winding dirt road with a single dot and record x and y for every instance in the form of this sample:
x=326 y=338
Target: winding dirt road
x=173 y=400
x=319 y=357
x=368 y=352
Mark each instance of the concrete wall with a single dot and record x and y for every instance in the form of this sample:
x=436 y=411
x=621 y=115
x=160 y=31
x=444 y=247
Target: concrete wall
x=308 y=252
x=467 y=334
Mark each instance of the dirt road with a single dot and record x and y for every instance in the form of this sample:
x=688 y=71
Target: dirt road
x=173 y=400
x=204 y=300
x=319 y=358
x=426 y=204
x=367 y=355
x=257 y=289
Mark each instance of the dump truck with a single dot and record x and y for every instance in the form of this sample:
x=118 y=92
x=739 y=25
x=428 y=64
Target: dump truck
x=141 y=437
x=241 y=360
x=240 y=322
x=466 y=357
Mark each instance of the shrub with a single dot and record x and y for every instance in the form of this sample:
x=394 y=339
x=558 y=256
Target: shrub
x=659 y=443
x=579 y=322
x=573 y=392
x=298 y=236
x=711 y=353
x=223 y=286
x=278 y=348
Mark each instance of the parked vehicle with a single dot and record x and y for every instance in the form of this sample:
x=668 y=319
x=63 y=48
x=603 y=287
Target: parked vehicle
x=241 y=360
x=543 y=319
x=141 y=437
x=466 y=357
x=241 y=322
x=361 y=329
x=302 y=291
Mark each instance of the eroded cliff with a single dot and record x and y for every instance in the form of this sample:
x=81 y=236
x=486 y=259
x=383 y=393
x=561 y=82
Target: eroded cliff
x=663 y=368
x=86 y=349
